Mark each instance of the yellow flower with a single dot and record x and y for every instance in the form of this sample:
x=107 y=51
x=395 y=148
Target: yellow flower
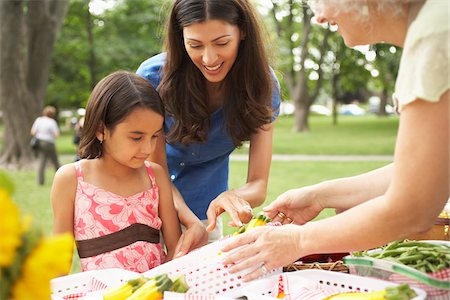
x=10 y=229
x=51 y=258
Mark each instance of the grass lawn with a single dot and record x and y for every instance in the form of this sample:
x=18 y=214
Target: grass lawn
x=367 y=135
x=353 y=135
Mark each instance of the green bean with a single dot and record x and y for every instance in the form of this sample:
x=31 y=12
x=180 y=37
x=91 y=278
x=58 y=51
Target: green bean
x=422 y=256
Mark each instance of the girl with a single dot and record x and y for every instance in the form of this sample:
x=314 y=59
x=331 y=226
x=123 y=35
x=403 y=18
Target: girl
x=113 y=200
x=219 y=91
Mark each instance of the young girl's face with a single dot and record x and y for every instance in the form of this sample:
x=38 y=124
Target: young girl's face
x=131 y=141
x=213 y=47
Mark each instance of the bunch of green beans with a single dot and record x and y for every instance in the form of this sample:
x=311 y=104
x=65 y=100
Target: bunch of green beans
x=422 y=256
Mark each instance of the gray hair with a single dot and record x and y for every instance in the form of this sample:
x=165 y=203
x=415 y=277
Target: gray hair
x=360 y=7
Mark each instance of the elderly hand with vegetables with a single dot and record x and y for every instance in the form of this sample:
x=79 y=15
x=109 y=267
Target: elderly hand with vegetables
x=392 y=202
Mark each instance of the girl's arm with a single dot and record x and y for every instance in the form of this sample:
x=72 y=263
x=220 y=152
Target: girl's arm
x=170 y=225
x=63 y=199
x=253 y=192
x=195 y=234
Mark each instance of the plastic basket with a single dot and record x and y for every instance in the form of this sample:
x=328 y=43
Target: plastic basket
x=81 y=285
x=436 y=285
x=320 y=284
x=205 y=274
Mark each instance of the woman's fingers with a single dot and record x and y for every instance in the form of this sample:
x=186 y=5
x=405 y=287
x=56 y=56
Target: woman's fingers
x=237 y=241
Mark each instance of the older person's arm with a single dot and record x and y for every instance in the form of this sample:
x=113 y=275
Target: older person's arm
x=417 y=194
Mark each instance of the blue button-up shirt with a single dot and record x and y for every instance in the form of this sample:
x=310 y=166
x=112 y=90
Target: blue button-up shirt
x=200 y=170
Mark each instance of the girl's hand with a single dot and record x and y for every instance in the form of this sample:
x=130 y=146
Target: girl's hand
x=294 y=206
x=267 y=247
x=193 y=237
x=239 y=210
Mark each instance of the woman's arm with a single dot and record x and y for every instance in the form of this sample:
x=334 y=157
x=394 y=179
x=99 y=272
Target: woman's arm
x=418 y=191
x=344 y=193
x=62 y=196
x=170 y=225
x=304 y=204
x=253 y=193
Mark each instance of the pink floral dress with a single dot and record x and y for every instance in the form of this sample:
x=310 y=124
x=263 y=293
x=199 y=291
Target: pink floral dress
x=119 y=224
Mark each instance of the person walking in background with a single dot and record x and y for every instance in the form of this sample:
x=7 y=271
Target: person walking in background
x=46 y=130
x=114 y=201
x=219 y=91
x=390 y=203
x=77 y=136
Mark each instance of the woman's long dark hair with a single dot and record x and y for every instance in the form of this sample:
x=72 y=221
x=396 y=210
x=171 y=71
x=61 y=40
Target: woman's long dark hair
x=111 y=101
x=248 y=85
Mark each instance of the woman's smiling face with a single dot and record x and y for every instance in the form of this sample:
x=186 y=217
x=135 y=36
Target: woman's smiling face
x=213 y=46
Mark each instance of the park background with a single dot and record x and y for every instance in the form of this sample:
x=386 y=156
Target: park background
x=336 y=119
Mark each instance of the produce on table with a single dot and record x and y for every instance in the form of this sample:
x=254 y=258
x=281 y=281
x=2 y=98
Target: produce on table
x=125 y=290
x=147 y=288
x=153 y=289
x=258 y=220
x=423 y=256
x=399 y=292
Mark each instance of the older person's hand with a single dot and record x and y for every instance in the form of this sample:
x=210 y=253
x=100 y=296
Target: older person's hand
x=268 y=247
x=296 y=206
x=239 y=210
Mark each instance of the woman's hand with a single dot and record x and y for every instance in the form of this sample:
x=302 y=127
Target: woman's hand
x=193 y=237
x=294 y=206
x=267 y=247
x=239 y=210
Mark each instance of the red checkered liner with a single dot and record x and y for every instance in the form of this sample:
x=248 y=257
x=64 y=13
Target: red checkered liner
x=433 y=293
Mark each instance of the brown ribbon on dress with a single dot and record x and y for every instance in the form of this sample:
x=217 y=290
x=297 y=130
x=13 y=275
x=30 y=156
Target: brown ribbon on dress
x=116 y=240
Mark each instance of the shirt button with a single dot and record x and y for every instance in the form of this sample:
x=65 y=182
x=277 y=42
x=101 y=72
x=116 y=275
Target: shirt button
x=193 y=153
x=172 y=177
x=182 y=164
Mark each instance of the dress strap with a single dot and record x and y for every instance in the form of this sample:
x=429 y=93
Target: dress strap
x=150 y=173
x=78 y=170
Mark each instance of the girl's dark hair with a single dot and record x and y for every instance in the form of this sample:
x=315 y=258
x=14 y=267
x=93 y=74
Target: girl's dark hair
x=112 y=99
x=247 y=87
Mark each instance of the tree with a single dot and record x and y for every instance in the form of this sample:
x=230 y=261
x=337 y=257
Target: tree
x=304 y=44
x=119 y=38
x=28 y=31
x=387 y=61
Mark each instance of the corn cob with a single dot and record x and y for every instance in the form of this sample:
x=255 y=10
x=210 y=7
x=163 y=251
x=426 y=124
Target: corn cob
x=124 y=290
x=152 y=289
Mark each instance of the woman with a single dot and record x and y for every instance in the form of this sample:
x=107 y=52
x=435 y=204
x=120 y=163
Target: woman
x=395 y=201
x=46 y=130
x=219 y=92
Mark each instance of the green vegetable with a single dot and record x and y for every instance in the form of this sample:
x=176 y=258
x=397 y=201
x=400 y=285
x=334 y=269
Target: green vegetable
x=423 y=256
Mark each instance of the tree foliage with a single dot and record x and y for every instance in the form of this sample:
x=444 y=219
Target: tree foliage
x=119 y=38
x=314 y=62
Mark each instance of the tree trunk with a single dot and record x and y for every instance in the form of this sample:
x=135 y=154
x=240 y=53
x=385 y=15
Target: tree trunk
x=383 y=102
x=301 y=115
x=28 y=31
x=92 y=63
